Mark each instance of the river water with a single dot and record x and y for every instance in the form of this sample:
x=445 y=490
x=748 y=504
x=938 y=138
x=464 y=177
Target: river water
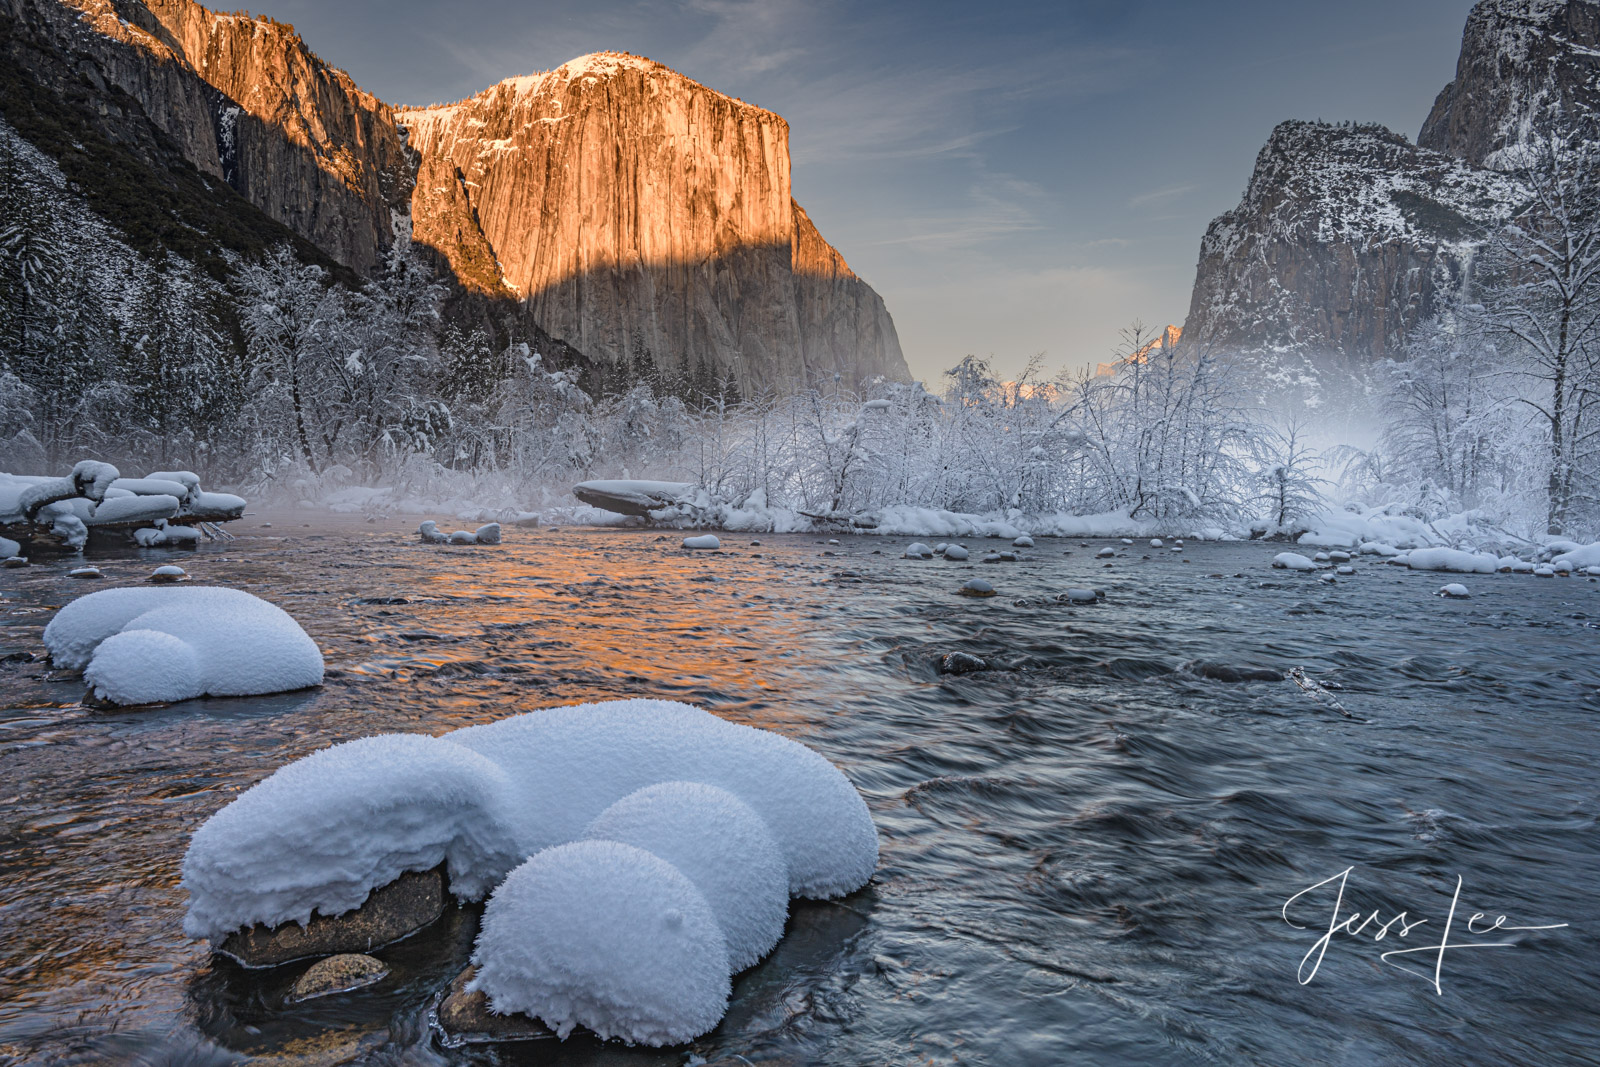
x=1086 y=849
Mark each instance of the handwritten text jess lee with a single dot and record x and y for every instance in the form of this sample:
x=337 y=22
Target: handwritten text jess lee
x=1400 y=925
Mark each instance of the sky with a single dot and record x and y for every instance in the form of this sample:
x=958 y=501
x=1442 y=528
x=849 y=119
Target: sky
x=1014 y=178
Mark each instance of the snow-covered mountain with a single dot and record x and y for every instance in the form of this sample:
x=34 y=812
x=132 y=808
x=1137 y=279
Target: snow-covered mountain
x=622 y=208
x=1348 y=235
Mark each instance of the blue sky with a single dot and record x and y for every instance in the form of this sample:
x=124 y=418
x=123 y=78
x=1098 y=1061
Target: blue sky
x=1012 y=177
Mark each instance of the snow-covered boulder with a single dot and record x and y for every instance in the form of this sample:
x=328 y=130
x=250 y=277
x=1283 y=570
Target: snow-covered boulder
x=1452 y=559
x=1105 y=553
x=739 y=869
x=1156 y=542
x=646 y=850
x=488 y=534
x=163 y=534
x=1455 y=591
x=608 y=936
x=956 y=553
x=1022 y=542
x=917 y=550
x=158 y=645
x=430 y=534
x=1292 y=561
x=703 y=543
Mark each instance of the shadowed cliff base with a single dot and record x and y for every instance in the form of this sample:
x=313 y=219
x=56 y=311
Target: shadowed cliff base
x=745 y=316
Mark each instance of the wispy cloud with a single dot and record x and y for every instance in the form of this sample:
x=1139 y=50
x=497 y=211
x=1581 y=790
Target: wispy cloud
x=1160 y=196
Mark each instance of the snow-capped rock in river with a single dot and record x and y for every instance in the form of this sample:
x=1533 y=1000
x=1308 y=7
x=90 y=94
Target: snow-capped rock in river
x=157 y=645
x=641 y=849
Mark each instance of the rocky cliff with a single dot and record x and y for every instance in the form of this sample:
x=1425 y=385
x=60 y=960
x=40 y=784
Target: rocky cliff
x=245 y=101
x=624 y=209
x=1525 y=65
x=1348 y=235
x=638 y=214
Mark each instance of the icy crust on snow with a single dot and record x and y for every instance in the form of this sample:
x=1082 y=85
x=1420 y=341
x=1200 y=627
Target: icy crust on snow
x=305 y=840
x=157 y=645
x=604 y=935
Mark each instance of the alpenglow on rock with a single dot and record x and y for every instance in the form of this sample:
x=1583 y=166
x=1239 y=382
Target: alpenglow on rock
x=639 y=214
x=621 y=208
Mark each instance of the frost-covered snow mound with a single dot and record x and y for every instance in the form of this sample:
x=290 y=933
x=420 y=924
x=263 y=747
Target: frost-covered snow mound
x=158 y=645
x=558 y=805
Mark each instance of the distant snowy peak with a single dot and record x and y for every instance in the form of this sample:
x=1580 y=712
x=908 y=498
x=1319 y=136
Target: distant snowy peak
x=1525 y=66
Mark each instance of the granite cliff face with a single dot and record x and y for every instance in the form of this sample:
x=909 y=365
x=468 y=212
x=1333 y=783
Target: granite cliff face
x=620 y=207
x=245 y=101
x=637 y=213
x=1525 y=65
x=1349 y=235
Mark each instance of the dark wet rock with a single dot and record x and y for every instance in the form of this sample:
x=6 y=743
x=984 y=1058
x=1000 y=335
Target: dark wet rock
x=464 y=1018
x=382 y=600
x=1224 y=672
x=961 y=663
x=16 y=561
x=338 y=974
x=390 y=913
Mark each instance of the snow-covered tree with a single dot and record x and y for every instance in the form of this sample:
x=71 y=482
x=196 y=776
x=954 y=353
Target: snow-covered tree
x=1536 y=295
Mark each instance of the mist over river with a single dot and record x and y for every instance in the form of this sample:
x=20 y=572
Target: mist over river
x=1087 y=848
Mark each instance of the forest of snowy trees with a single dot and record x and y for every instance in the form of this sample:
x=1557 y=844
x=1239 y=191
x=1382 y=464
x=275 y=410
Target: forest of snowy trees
x=275 y=373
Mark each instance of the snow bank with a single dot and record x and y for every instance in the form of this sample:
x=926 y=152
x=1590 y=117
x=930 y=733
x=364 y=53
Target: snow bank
x=608 y=936
x=1580 y=557
x=155 y=645
x=1452 y=559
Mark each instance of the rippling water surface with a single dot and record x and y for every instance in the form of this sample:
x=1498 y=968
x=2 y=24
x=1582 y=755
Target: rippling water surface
x=1086 y=847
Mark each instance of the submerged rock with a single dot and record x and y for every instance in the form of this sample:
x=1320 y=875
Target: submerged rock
x=961 y=663
x=464 y=1018
x=1224 y=672
x=390 y=913
x=337 y=974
